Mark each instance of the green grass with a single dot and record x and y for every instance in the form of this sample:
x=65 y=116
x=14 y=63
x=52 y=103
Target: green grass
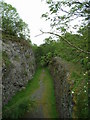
x=49 y=97
x=22 y=99
x=21 y=102
x=16 y=111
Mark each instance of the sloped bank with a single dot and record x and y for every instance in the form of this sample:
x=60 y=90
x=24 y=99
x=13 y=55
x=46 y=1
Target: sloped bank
x=63 y=95
x=18 y=66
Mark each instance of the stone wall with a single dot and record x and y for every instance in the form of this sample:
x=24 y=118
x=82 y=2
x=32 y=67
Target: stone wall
x=18 y=66
x=63 y=95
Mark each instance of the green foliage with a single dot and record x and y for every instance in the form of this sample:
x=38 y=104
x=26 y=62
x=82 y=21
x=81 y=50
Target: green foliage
x=18 y=110
x=12 y=24
x=50 y=97
x=27 y=56
x=6 y=59
x=64 y=11
x=44 y=58
x=80 y=92
x=52 y=48
x=21 y=102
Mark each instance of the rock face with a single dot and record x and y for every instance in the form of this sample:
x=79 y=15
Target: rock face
x=62 y=89
x=18 y=66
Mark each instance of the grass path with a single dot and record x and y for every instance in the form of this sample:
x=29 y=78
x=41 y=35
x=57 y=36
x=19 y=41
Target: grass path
x=40 y=90
x=44 y=98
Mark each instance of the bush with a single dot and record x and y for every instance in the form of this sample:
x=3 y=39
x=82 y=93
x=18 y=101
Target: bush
x=18 y=110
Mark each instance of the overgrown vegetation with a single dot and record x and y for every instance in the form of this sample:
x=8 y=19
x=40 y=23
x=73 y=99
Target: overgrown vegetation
x=21 y=102
x=6 y=59
x=49 y=96
x=12 y=24
x=79 y=86
x=79 y=81
x=22 y=42
x=16 y=111
x=71 y=47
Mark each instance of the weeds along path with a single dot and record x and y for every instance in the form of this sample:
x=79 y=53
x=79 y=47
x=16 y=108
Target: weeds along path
x=44 y=98
x=38 y=96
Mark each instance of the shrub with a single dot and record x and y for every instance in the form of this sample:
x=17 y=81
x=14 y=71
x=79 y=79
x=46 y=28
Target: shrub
x=18 y=110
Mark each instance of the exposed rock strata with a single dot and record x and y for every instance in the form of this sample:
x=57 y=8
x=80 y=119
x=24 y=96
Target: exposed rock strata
x=18 y=66
x=62 y=89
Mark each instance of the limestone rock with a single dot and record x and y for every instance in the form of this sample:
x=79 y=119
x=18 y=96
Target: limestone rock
x=63 y=95
x=18 y=66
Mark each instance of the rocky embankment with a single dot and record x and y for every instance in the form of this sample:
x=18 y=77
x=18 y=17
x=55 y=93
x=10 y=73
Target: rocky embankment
x=63 y=94
x=18 y=66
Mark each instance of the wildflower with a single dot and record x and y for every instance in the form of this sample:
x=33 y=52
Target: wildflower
x=72 y=92
x=84 y=74
x=85 y=91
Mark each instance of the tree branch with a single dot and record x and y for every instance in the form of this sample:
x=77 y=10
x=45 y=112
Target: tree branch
x=77 y=13
x=76 y=2
x=69 y=43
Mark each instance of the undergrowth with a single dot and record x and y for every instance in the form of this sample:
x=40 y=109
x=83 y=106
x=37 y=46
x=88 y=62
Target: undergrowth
x=16 y=111
x=79 y=87
x=21 y=103
x=49 y=96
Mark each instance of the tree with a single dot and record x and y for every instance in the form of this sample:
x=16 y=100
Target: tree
x=61 y=18
x=62 y=12
x=11 y=22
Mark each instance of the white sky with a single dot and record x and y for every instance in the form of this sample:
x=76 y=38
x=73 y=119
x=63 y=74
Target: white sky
x=30 y=11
